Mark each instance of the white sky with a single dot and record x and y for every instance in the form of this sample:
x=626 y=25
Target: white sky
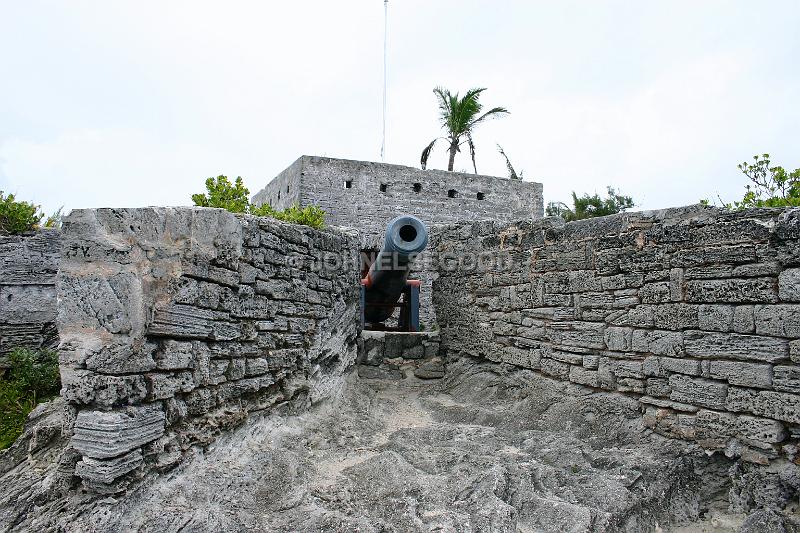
x=133 y=103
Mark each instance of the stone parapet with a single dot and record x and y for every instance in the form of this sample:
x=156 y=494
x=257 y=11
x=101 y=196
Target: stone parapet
x=176 y=323
x=694 y=311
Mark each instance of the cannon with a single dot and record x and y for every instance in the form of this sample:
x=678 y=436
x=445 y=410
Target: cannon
x=387 y=278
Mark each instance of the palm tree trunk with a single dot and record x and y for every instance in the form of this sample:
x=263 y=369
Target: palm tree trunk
x=453 y=150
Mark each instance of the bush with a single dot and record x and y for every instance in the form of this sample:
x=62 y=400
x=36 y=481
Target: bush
x=235 y=197
x=311 y=215
x=590 y=206
x=771 y=186
x=32 y=378
x=18 y=217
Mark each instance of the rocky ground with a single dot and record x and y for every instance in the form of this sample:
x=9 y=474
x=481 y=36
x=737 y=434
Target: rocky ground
x=486 y=449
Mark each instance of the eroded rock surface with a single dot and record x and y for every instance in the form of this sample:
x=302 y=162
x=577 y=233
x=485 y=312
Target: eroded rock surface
x=489 y=448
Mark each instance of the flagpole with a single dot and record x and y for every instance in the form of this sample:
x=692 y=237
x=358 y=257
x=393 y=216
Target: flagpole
x=385 y=32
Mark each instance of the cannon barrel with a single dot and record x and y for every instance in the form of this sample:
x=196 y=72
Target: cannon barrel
x=386 y=279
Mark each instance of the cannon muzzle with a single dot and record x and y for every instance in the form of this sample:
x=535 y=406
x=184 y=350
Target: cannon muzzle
x=386 y=280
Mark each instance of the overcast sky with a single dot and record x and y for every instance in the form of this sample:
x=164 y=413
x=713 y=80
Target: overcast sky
x=123 y=103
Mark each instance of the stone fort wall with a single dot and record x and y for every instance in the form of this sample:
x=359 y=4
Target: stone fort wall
x=693 y=311
x=366 y=195
x=176 y=323
x=28 y=267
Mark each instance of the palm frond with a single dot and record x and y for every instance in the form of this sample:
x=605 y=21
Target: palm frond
x=423 y=160
x=492 y=113
x=512 y=174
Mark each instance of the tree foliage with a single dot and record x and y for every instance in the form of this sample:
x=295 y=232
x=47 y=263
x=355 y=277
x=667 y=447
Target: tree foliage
x=590 y=206
x=771 y=186
x=33 y=378
x=311 y=215
x=235 y=197
x=18 y=216
x=459 y=116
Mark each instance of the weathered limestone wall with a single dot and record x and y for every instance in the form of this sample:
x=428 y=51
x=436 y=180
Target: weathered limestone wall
x=693 y=311
x=28 y=266
x=176 y=323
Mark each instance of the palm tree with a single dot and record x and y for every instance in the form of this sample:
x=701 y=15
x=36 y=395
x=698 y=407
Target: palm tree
x=459 y=117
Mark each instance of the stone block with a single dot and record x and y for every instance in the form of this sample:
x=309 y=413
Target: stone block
x=27 y=303
x=651 y=366
x=778 y=405
x=715 y=317
x=107 y=470
x=180 y=321
x=778 y=320
x=697 y=391
x=658 y=387
x=256 y=366
x=740 y=400
x=97 y=302
x=161 y=386
x=734 y=346
x=624 y=368
x=583 y=376
x=713 y=429
x=794 y=351
x=761 y=430
x=676 y=316
x=669 y=404
x=236 y=369
x=741 y=373
x=656 y=293
x=631 y=385
x=579 y=334
x=591 y=362
x=414 y=352
x=200 y=401
x=175 y=355
x=566 y=357
x=554 y=368
x=87 y=388
x=618 y=339
x=789 y=285
x=641 y=316
x=689 y=367
x=657 y=342
x=748 y=290
x=744 y=319
x=106 y=434
x=786 y=379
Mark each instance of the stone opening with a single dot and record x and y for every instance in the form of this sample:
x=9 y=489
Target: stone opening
x=452 y=193
x=383 y=187
x=417 y=187
x=480 y=196
x=348 y=184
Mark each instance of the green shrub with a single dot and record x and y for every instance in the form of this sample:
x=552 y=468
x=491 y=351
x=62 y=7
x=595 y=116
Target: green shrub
x=590 y=206
x=55 y=220
x=32 y=378
x=18 y=217
x=311 y=215
x=234 y=197
x=771 y=186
